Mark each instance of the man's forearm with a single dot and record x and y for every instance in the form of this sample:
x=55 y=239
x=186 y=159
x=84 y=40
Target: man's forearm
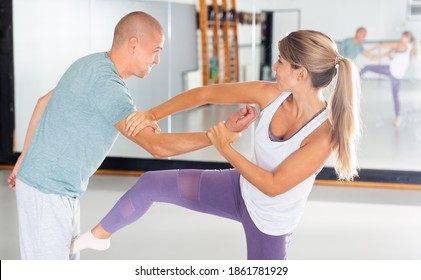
x=171 y=144
x=36 y=116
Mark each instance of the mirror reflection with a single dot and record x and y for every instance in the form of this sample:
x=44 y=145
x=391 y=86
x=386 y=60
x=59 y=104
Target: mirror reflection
x=384 y=145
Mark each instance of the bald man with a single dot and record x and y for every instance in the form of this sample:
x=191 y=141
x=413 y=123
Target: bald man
x=352 y=47
x=67 y=140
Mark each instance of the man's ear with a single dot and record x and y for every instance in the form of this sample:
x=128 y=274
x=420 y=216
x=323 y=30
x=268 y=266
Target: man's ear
x=133 y=44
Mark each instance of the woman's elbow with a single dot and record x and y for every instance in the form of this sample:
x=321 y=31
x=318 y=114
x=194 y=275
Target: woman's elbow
x=275 y=190
x=271 y=191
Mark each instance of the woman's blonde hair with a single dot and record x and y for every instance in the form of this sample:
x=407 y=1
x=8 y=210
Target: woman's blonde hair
x=318 y=53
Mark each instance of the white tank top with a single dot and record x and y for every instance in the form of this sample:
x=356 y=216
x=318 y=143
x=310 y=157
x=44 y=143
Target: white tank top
x=277 y=215
x=400 y=62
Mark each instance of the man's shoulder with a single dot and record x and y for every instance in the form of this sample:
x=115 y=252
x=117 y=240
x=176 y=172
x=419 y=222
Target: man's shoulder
x=348 y=40
x=92 y=58
x=98 y=66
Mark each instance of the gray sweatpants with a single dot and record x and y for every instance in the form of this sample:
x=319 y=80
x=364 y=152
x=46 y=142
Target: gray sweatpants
x=47 y=224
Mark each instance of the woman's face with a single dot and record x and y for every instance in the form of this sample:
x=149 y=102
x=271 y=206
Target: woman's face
x=405 y=38
x=283 y=73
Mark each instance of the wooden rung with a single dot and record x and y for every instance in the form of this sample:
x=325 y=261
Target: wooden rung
x=218 y=41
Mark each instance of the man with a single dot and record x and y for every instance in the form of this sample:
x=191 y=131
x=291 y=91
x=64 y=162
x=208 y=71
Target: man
x=352 y=47
x=74 y=126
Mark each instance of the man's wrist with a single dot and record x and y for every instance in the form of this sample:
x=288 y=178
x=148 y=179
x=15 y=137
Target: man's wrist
x=232 y=129
x=151 y=114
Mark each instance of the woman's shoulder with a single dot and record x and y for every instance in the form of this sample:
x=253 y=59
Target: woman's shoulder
x=270 y=91
x=321 y=135
x=400 y=46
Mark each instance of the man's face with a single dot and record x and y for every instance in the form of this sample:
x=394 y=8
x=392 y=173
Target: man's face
x=361 y=36
x=148 y=55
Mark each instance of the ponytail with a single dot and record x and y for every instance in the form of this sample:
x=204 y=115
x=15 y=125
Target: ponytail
x=415 y=47
x=345 y=119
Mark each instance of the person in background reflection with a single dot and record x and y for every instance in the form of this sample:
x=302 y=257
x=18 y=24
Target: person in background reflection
x=352 y=47
x=400 y=53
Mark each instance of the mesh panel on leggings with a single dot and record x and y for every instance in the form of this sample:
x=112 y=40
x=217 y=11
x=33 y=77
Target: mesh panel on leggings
x=126 y=207
x=188 y=184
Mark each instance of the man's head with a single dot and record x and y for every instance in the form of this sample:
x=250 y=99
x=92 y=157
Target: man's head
x=360 y=35
x=138 y=40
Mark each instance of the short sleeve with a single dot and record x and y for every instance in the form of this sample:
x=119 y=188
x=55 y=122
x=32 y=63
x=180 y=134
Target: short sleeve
x=113 y=101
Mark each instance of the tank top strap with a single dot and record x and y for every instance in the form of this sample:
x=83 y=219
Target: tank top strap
x=314 y=123
x=267 y=113
x=278 y=101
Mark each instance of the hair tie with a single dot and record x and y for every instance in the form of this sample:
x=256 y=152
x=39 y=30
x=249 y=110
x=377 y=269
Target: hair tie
x=338 y=59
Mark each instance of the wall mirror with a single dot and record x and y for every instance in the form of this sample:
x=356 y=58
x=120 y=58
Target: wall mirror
x=49 y=35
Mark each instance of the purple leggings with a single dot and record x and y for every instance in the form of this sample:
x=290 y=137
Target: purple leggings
x=385 y=70
x=215 y=192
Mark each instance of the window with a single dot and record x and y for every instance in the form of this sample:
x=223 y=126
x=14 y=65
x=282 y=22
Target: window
x=414 y=9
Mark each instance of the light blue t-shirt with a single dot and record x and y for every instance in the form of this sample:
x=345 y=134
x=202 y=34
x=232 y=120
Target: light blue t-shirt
x=76 y=130
x=349 y=49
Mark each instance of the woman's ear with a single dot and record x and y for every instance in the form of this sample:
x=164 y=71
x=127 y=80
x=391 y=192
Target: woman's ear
x=302 y=73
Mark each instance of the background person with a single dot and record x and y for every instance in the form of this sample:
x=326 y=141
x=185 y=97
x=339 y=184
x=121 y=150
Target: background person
x=352 y=47
x=400 y=53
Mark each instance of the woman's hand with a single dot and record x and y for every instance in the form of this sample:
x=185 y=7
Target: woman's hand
x=139 y=120
x=221 y=137
x=242 y=119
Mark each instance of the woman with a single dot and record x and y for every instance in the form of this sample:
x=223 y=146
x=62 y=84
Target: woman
x=400 y=53
x=295 y=136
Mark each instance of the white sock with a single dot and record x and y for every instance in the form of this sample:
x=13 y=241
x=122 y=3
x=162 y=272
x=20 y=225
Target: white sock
x=88 y=240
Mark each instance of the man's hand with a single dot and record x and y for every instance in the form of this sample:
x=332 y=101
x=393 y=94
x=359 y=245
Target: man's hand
x=12 y=177
x=241 y=119
x=12 y=180
x=139 y=120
